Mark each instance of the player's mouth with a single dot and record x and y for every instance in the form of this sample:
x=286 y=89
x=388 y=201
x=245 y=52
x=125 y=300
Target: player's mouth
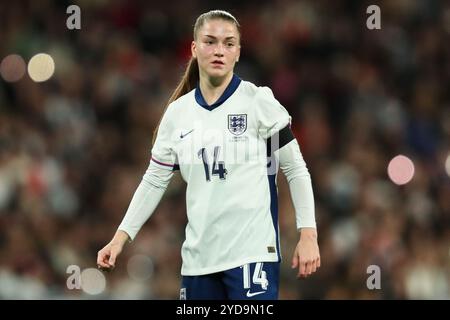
x=217 y=63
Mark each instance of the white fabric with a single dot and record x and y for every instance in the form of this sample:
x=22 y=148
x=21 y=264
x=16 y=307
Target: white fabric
x=294 y=168
x=229 y=216
x=145 y=199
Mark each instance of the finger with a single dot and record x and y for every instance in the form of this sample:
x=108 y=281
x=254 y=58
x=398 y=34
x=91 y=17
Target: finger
x=302 y=269
x=101 y=261
x=294 y=262
x=112 y=260
x=107 y=269
x=102 y=264
x=318 y=262
x=308 y=268
x=313 y=266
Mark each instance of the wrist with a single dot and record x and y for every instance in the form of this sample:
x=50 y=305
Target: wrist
x=308 y=233
x=120 y=238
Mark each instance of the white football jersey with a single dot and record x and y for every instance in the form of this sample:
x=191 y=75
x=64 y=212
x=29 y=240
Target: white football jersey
x=231 y=197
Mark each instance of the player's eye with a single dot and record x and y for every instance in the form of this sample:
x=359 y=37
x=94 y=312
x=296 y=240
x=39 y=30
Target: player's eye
x=230 y=44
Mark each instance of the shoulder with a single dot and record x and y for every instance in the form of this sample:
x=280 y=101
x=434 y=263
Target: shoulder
x=256 y=92
x=264 y=103
x=185 y=99
x=262 y=99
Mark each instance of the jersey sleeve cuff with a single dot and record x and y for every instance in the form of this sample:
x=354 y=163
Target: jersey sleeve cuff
x=164 y=165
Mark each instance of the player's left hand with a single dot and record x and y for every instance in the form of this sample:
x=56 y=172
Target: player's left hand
x=306 y=255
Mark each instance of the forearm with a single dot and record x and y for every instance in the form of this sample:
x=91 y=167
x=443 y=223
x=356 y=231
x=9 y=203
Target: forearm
x=145 y=200
x=300 y=186
x=303 y=200
x=120 y=238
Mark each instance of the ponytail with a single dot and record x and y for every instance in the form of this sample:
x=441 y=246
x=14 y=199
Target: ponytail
x=188 y=82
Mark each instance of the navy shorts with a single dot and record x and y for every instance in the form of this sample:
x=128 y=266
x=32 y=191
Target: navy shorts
x=253 y=281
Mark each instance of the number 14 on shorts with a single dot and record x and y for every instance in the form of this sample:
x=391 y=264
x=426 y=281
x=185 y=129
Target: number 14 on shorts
x=259 y=276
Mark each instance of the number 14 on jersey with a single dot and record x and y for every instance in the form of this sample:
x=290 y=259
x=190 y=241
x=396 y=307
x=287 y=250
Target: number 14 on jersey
x=218 y=167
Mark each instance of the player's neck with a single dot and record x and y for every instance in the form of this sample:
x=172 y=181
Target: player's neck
x=213 y=88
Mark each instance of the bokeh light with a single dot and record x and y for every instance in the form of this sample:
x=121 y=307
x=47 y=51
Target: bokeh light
x=41 y=67
x=93 y=281
x=12 y=68
x=447 y=165
x=401 y=170
x=140 y=267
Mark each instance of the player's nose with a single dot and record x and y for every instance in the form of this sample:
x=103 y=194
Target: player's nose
x=218 y=51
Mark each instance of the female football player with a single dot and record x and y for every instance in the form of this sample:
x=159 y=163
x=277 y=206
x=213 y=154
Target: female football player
x=227 y=137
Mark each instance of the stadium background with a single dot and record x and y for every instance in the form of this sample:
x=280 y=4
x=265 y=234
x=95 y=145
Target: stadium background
x=74 y=148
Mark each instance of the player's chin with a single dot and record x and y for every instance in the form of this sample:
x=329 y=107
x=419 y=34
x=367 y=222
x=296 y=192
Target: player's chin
x=218 y=72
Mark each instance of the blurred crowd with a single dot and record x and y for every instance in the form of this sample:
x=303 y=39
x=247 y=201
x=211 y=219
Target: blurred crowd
x=74 y=148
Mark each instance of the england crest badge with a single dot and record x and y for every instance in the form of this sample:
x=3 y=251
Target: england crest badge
x=237 y=123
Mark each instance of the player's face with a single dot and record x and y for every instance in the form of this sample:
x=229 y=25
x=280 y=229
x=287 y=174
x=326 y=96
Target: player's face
x=216 y=48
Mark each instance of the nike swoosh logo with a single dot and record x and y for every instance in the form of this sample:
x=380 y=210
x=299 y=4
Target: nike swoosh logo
x=251 y=294
x=184 y=135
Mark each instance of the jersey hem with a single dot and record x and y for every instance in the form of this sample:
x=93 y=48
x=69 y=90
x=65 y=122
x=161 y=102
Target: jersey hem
x=228 y=266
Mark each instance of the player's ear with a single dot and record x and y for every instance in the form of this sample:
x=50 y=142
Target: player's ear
x=193 y=49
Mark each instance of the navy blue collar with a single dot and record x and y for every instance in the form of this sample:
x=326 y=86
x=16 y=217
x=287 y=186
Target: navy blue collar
x=231 y=88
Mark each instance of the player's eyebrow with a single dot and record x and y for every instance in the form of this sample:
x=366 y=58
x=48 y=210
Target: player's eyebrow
x=226 y=38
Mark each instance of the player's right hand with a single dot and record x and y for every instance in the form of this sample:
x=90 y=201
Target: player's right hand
x=106 y=257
